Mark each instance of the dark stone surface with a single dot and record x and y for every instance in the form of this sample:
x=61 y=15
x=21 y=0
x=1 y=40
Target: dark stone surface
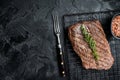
x=27 y=41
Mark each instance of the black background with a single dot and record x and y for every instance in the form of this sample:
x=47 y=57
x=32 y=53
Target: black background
x=27 y=40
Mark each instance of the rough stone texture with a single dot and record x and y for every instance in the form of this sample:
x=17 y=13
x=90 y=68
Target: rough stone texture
x=27 y=41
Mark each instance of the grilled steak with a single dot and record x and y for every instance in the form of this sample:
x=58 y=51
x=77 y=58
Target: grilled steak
x=82 y=48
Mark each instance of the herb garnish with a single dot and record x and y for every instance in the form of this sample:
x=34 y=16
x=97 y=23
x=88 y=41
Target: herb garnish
x=88 y=38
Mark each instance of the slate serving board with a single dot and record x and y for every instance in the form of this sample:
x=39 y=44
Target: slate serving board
x=74 y=67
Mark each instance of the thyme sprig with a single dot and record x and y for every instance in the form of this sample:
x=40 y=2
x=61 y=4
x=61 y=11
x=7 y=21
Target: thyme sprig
x=91 y=42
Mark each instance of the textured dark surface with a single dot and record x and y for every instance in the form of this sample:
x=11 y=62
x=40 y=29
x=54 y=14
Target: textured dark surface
x=27 y=41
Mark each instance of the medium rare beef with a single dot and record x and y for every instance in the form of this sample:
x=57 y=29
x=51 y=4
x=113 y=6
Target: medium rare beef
x=81 y=46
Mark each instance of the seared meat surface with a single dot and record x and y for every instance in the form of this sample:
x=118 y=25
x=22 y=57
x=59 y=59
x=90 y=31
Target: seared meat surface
x=82 y=48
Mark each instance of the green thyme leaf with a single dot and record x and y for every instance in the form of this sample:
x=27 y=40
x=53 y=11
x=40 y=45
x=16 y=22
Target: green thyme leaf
x=88 y=38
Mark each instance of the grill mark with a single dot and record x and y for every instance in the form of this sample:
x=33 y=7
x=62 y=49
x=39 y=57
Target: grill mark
x=76 y=35
x=99 y=36
x=88 y=60
x=79 y=38
x=84 y=58
x=103 y=50
x=75 y=29
x=102 y=53
x=101 y=65
x=99 y=26
x=76 y=32
x=83 y=50
x=101 y=45
x=107 y=58
x=97 y=39
x=93 y=32
x=79 y=42
x=99 y=48
x=82 y=42
x=105 y=61
x=83 y=55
